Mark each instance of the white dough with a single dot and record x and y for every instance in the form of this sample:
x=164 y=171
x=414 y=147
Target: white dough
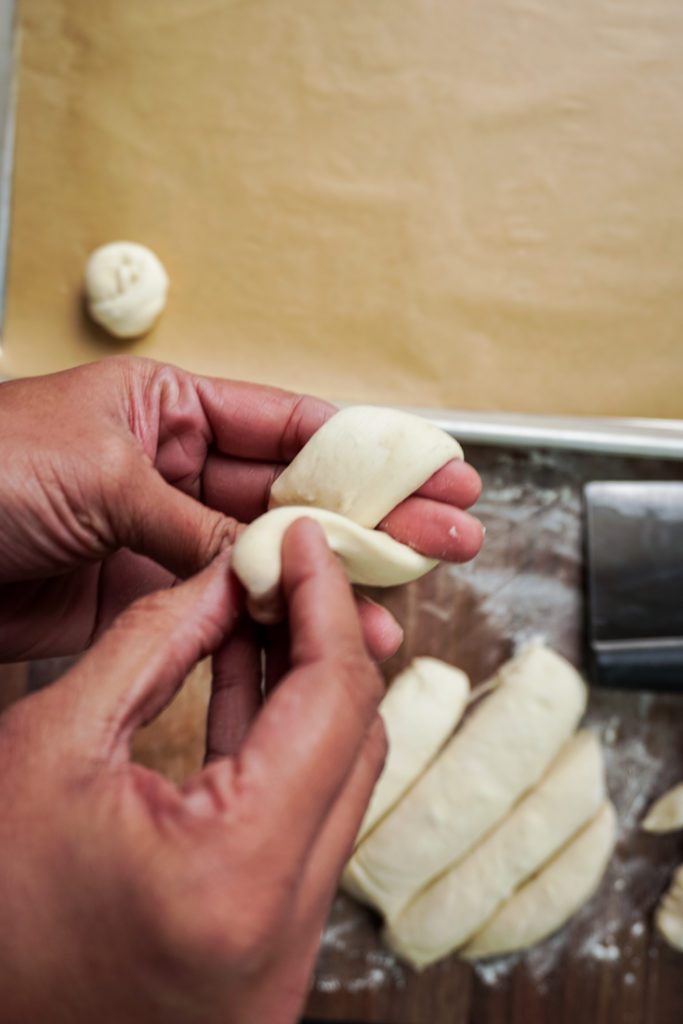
x=666 y=814
x=669 y=915
x=420 y=710
x=357 y=467
x=368 y=556
x=549 y=899
x=445 y=914
x=499 y=753
x=126 y=286
x=363 y=461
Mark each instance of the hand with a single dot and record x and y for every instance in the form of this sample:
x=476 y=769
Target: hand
x=120 y=476
x=125 y=898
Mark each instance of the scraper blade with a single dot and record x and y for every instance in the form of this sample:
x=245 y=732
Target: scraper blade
x=634 y=557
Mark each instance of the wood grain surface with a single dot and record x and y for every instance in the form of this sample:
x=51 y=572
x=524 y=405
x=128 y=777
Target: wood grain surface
x=606 y=966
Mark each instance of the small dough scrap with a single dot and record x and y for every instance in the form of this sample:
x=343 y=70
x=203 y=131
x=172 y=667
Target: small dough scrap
x=499 y=753
x=669 y=915
x=549 y=899
x=126 y=287
x=368 y=556
x=450 y=910
x=420 y=710
x=666 y=814
x=363 y=461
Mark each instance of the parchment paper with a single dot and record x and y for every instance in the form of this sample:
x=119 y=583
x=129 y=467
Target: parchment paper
x=472 y=205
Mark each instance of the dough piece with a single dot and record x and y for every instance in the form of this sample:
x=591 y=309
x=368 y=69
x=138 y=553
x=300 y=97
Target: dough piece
x=358 y=466
x=368 y=556
x=666 y=815
x=363 y=461
x=126 y=286
x=549 y=899
x=502 y=749
x=420 y=710
x=445 y=914
x=669 y=915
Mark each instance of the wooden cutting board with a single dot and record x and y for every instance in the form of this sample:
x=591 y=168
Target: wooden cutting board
x=607 y=966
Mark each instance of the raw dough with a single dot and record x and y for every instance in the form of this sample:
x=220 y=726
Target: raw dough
x=126 y=286
x=499 y=753
x=666 y=815
x=445 y=914
x=669 y=916
x=420 y=710
x=543 y=904
x=368 y=556
x=363 y=461
x=356 y=468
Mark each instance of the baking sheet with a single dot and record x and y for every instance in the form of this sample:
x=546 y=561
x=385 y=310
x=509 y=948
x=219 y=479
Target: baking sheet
x=421 y=203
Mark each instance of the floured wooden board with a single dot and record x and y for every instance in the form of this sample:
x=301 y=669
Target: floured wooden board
x=436 y=204
x=606 y=966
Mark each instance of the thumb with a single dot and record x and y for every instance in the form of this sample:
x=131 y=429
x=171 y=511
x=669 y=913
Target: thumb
x=140 y=662
x=156 y=519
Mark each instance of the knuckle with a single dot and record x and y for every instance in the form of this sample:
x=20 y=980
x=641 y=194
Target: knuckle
x=119 y=458
x=212 y=791
x=122 y=363
x=220 y=535
x=129 y=371
x=307 y=415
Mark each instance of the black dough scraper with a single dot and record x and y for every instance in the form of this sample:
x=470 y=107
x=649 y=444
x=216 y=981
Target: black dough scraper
x=634 y=561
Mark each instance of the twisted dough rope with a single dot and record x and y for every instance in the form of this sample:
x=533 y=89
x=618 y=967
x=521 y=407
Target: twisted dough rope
x=354 y=470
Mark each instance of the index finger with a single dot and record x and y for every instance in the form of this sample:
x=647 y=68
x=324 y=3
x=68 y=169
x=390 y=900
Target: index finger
x=306 y=740
x=255 y=421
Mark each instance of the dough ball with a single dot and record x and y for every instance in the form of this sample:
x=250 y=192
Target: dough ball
x=126 y=287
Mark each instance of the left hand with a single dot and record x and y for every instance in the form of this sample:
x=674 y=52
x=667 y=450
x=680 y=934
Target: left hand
x=118 y=477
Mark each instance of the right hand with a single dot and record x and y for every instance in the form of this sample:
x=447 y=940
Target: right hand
x=126 y=898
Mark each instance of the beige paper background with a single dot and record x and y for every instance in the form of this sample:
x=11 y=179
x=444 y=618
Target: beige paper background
x=428 y=202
